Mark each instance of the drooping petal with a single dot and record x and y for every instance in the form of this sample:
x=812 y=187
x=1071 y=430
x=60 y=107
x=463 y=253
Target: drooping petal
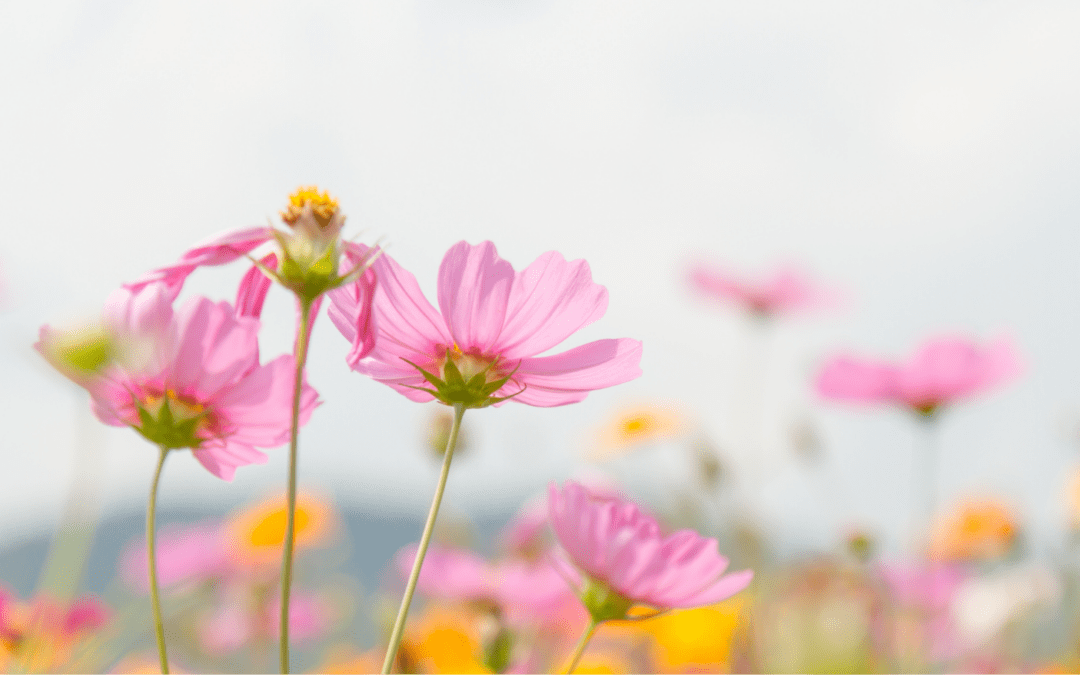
x=550 y=300
x=351 y=305
x=217 y=250
x=474 y=286
x=951 y=367
x=567 y=377
x=253 y=288
x=222 y=460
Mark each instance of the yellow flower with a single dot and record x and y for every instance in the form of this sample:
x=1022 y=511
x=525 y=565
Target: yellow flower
x=697 y=640
x=443 y=640
x=635 y=425
x=977 y=530
x=257 y=532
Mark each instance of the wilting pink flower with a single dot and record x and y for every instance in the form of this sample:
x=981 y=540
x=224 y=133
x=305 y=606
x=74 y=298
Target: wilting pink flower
x=494 y=321
x=190 y=553
x=617 y=546
x=192 y=379
x=308 y=257
x=786 y=290
x=942 y=371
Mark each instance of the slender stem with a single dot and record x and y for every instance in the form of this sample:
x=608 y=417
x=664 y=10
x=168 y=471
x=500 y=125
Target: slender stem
x=929 y=505
x=582 y=643
x=425 y=539
x=155 y=593
x=302 y=338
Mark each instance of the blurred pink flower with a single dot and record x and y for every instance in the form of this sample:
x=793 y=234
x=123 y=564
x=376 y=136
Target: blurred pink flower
x=192 y=379
x=942 y=371
x=451 y=573
x=237 y=618
x=525 y=590
x=191 y=553
x=928 y=592
x=622 y=549
x=493 y=323
x=787 y=290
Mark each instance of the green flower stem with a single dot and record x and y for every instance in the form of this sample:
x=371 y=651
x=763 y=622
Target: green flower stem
x=582 y=643
x=302 y=337
x=155 y=593
x=425 y=539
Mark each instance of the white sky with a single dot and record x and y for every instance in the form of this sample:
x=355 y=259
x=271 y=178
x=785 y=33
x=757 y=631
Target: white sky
x=923 y=156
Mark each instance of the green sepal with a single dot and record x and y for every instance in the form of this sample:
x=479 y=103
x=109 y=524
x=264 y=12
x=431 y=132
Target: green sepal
x=603 y=602
x=166 y=431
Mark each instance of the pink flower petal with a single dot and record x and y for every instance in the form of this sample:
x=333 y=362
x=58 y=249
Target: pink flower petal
x=567 y=377
x=550 y=300
x=253 y=288
x=474 y=286
x=215 y=347
x=217 y=250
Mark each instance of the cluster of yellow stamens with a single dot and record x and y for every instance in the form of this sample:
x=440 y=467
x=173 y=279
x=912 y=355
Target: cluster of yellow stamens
x=323 y=206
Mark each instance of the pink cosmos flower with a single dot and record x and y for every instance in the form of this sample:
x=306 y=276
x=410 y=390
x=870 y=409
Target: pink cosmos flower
x=482 y=344
x=942 y=371
x=192 y=379
x=786 y=290
x=621 y=549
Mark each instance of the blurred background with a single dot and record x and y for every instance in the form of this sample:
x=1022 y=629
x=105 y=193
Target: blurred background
x=918 y=159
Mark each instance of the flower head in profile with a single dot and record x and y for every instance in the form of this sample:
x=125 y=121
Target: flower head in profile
x=787 y=290
x=190 y=378
x=943 y=370
x=308 y=257
x=481 y=347
x=626 y=560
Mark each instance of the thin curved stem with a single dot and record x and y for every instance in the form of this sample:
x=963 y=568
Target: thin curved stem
x=302 y=337
x=582 y=643
x=425 y=539
x=155 y=593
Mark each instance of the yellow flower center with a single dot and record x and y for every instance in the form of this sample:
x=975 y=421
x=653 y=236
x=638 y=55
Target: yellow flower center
x=270 y=531
x=323 y=206
x=638 y=424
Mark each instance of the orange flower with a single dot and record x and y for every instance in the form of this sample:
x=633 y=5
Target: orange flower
x=634 y=425
x=257 y=533
x=977 y=530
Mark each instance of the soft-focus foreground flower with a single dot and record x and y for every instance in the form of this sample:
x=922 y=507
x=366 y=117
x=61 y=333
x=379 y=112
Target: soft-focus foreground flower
x=190 y=379
x=977 y=530
x=481 y=346
x=39 y=636
x=786 y=290
x=626 y=559
x=943 y=370
x=696 y=640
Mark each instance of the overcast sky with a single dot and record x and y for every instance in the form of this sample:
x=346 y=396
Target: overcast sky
x=920 y=156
